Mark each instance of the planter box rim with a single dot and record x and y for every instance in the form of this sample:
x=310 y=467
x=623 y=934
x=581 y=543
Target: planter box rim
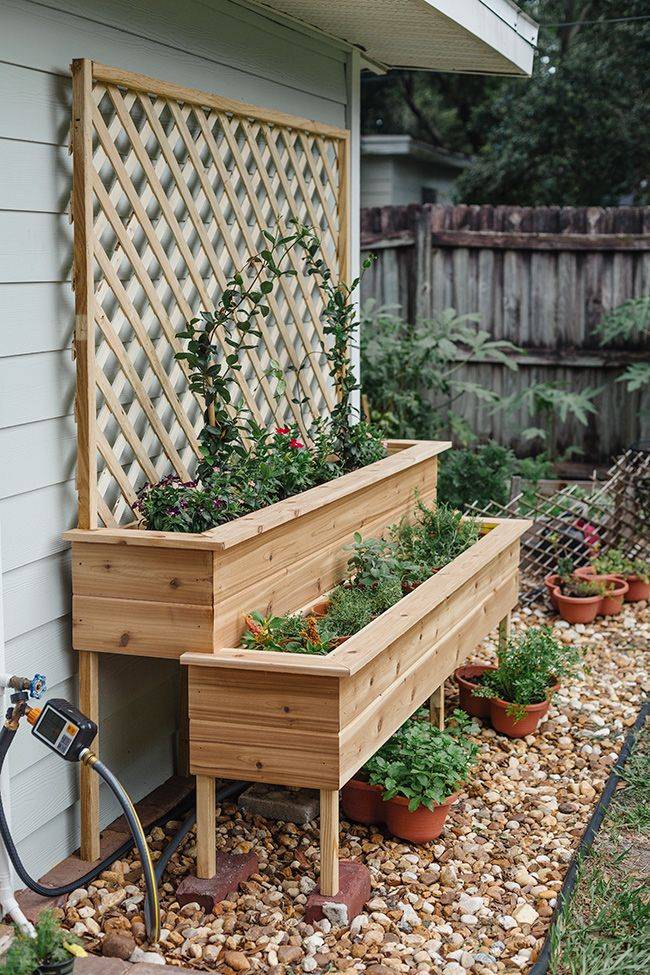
x=406 y=453
x=369 y=642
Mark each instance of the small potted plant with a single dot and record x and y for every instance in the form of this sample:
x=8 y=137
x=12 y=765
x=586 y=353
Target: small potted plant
x=468 y=678
x=635 y=572
x=419 y=772
x=520 y=688
x=579 y=600
x=638 y=581
x=50 y=952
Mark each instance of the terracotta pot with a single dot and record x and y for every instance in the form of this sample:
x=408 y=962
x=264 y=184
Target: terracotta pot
x=362 y=802
x=320 y=608
x=338 y=640
x=585 y=572
x=504 y=723
x=419 y=826
x=577 y=609
x=612 y=602
x=551 y=582
x=637 y=589
x=478 y=707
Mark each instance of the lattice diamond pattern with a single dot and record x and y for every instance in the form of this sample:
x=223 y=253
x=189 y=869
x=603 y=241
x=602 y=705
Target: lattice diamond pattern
x=182 y=192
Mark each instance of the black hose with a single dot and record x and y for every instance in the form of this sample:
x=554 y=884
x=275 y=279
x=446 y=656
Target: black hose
x=227 y=792
x=151 y=906
x=6 y=738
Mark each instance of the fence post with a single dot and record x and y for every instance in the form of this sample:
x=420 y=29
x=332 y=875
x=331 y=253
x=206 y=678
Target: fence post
x=422 y=263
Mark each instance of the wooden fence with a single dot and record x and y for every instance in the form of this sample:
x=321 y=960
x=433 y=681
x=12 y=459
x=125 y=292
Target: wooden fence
x=540 y=277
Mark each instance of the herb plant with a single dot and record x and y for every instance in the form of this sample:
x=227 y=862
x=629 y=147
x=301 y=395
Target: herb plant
x=47 y=947
x=373 y=561
x=291 y=633
x=233 y=323
x=352 y=607
x=527 y=669
x=422 y=763
x=613 y=562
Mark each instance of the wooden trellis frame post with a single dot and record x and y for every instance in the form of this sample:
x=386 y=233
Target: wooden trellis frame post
x=172 y=190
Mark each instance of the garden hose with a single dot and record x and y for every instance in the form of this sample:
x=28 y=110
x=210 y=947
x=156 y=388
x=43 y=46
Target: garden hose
x=151 y=912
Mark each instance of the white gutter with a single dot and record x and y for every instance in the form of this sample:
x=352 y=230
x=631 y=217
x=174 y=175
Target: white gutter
x=8 y=903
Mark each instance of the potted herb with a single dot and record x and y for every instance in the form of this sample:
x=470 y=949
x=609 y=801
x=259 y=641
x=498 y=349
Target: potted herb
x=579 y=600
x=49 y=952
x=468 y=678
x=635 y=572
x=420 y=771
x=639 y=581
x=520 y=687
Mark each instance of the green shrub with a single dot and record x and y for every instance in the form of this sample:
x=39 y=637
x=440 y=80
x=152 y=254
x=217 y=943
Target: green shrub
x=422 y=763
x=527 y=668
x=476 y=476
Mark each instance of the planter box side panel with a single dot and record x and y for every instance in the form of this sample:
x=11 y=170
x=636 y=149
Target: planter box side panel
x=296 y=562
x=363 y=688
x=141 y=600
x=264 y=727
x=362 y=736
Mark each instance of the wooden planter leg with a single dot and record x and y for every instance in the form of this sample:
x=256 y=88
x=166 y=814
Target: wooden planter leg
x=89 y=780
x=206 y=827
x=183 y=748
x=329 y=842
x=437 y=707
x=505 y=627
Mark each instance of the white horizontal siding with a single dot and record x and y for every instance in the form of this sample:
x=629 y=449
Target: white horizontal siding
x=215 y=45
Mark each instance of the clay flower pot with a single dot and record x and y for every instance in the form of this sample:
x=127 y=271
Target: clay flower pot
x=637 y=589
x=478 y=707
x=584 y=572
x=577 y=609
x=362 y=802
x=612 y=601
x=419 y=826
x=506 y=724
x=551 y=582
x=320 y=608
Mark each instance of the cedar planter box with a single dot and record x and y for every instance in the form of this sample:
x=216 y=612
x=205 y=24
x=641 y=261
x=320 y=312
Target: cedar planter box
x=160 y=594
x=313 y=721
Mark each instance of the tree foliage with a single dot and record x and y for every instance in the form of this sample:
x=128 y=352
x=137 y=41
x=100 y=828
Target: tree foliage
x=575 y=134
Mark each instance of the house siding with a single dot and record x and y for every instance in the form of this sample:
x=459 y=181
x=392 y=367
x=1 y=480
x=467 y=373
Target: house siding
x=216 y=46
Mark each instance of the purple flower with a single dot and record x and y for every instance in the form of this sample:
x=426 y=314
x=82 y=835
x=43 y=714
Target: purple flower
x=218 y=503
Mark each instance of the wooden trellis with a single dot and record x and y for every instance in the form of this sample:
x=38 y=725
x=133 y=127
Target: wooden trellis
x=172 y=190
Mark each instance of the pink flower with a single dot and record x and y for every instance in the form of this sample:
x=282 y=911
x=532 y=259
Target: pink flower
x=282 y=430
x=296 y=444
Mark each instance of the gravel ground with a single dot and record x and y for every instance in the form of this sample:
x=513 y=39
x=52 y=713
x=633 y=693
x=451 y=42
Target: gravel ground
x=478 y=899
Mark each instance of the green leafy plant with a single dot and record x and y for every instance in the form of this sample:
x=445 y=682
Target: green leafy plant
x=233 y=323
x=527 y=669
x=626 y=323
x=47 y=947
x=613 y=562
x=291 y=633
x=355 y=442
x=641 y=569
x=411 y=372
x=476 y=476
x=373 y=561
x=583 y=588
x=436 y=537
x=352 y=607
x=422 y=763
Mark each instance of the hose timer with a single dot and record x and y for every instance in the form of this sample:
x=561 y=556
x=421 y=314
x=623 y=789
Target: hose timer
x=63 y=728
